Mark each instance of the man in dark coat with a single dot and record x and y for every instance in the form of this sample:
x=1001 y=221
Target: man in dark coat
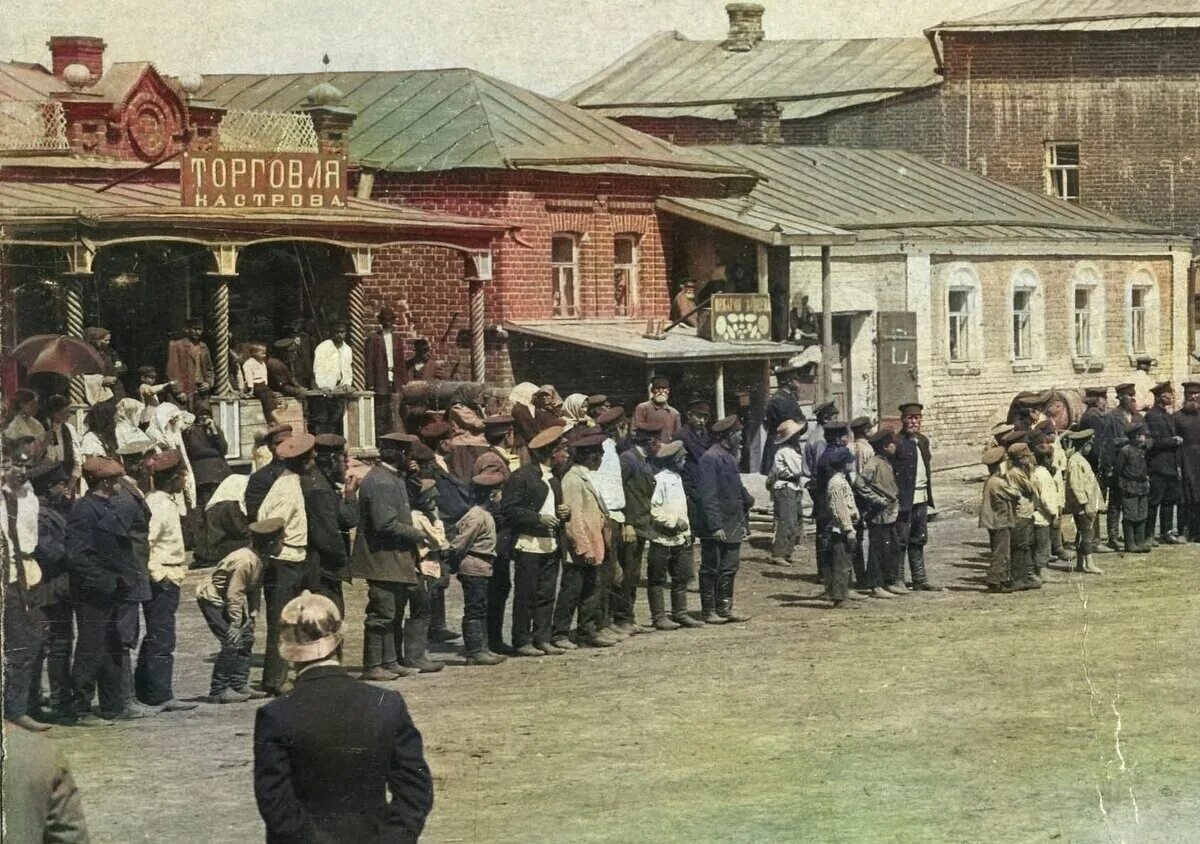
x=1162 y=459
x=1096 y=420
x=499 y=458
x=385 y=553
x=453 y=502
x=206 y=446
x=724 y=501
x=261 y=481
x=637 y=477
x=696 y=440
x=360 y=776
x=785 y=404
x=1114 y=440
x=52 y=484
x=386 y=373
x=531 y=506
x=914 y=476
x=331 y=516
x=1187 y=428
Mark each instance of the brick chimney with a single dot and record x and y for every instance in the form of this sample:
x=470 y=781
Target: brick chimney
x=758 y=122
x=86 y=50
x=745 y=27
x=331 y=120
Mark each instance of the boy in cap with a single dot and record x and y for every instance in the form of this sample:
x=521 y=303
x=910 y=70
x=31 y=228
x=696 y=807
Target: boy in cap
x=670 y=541
x=531 y=503
x=587 y=539
x=997 y=516
x=472 y=551
x=837 y=435
x=1050 y=501
x=823 y=413
x=784 y=480
x=168 y=566
x=453 y=501
x=878 y=498
x=501 y=460
x=1020 y=478
x=1083 y=496
x=431 y=569
x=656 y=412
x=724 y=503
x=595 y=405
x=287 y=571
x=843 y=518
x=1132 y=475
x=1162 y=460
x=261 y=479
x=228 y=600
x=359 y=775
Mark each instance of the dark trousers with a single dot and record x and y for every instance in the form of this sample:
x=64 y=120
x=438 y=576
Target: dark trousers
x=475 y=597
x=1041 y=546
x=1085 y=523
x=839 y=549
x=282 y=581
x=106 y=634
x=610 y=574
x=623 y=599
x=1164 y=493
x=1189 y=520
x=577 y=593
x=912 y=532
x=718 y=566
x=883 y=556
x=22 y=644
x=231 y=669
x=1021 y=548
x=383 y=627
x=535 y=578
x=787 y=521
x=862 y=537
x=499 y=585
x=156 y=656
x=326 y=413
x=331 y=588
x=1000 y=571
x=1113 y=517
x=673 y=562
x=385 y=417
x=58 y=626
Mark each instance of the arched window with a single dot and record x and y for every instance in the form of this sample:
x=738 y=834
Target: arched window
x=1142 y=311
x=1027 y=315
x=1085 y=303
x=964 y=317
x=564 y=264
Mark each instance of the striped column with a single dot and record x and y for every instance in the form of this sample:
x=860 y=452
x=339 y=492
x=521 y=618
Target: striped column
x=73 y=302
x=478 y=351
x=356 y=307
x=220 y=323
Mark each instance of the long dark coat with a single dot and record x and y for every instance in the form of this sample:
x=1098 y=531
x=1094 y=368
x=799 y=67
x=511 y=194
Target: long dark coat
x=1187 y=426
x=782 y=406
x=385 y=547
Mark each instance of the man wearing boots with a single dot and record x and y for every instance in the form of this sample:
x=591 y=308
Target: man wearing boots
x=453 y=501
x=586 y=540
x=1083 y=496
x=499 y=458
x=843 y=519
x=1133 y=476
x=52 y=483
x=914 y=475
x=1162 y=459
x=1187 y=428
x=670 y=544
x=1115 y=422
x=997 y=516
x=876 y=488
x=385 y=554
x=724 y=502
x=1020 y=478
x=637 y=475
x=785 y=480
x=331 y=516
x=473 y=549
x=608 y=482
x=531 y=504
x=1096 y=420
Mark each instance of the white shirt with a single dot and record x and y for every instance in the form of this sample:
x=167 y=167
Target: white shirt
x=254 y=372
x=668 y=505
x=168 y=559
x=387 y=350
x=921 y=490
x=608 y=483
x=332 y=366
x=285 y=501
x=787 y=469
x=541 y=544
x=27 y=524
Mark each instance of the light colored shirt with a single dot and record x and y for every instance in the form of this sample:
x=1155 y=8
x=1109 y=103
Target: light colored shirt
x=168 y=559
x=1083 y=490
x=27 y=525
x=92 y=446
x=234 y=578
x=387 y=350
x=841 y=503
x=435 y=540
x=668 y=505
x=787 y=469
x=24 y=426
x=607 y=480
x=1050 y=495
x=94 y=389
x=541 y=544
x=862 y=451
x=286 y=501
x=921 y=490
x=332 y=366
x=254 y=372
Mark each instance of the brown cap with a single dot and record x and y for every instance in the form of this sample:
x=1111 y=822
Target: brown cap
x=911 y=407
x=296 y=445
x=1000 y=430
x=859 y=425
x=994 y=455
x=882 y=437
x=610 y=415
x=498 y=423
x=547 y=437
x=428 y=484
x=596 y=400
x=726 y=425
x=266 y=527
x=1191 y=387
x=1013 y=436
x=649 y=426
x=670 y=449
x=435 y=430
x=491 y=476
x=97 y=468
x=1019 y=450
x=330 y=442
x=1096 y=392
x=586 y=438
x=397 y=440
x=1162 y=387
x=788 y=429
x=165 y=461
x=278 y=431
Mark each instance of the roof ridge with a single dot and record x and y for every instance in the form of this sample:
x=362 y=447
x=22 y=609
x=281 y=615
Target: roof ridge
x=473 y=79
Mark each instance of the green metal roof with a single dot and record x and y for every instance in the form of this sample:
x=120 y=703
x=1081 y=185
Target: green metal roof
x=423 y=120
x=1082 y=16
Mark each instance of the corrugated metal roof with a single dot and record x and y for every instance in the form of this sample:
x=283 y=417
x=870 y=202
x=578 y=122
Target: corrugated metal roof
x=421 y=120
x=871 y=192
x=690 y=77
x=624 y=337
x=1083 y=16
x=19 y=81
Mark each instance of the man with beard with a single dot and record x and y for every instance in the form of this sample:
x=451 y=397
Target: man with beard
x=657 y=412
x=724 y=502
x=189 y=362
x=331 y=516
x=1187 y=428
x=914 y=475
x=1162 y=459
x=1115 y=422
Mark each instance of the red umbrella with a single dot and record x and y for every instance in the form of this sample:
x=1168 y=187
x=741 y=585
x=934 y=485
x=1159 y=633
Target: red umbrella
x=67 y=356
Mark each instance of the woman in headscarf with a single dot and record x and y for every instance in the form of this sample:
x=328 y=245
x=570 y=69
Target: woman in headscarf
x=107 y=384
x=166 y=430
x=129 y=419
x=548 y=407
x=20 y=419
x=62 y=441
x=100 y=438
x=575 y=411
x=520 y=402
x=205 y=449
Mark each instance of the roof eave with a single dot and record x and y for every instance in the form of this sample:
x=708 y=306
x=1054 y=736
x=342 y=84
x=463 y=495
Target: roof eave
x=770 y=237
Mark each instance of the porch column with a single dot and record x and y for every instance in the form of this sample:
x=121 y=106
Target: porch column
x=79 y=259
x=826 y=324
x=356 y=307
x=762 y=262
x=481 y=262
x=226 y=255
x=719 y=389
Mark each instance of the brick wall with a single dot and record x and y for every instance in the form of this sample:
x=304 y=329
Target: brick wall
x=966 y=403
x=685 y=131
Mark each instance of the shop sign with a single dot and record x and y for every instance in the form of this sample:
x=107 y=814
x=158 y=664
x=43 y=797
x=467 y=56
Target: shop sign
x=279 y=180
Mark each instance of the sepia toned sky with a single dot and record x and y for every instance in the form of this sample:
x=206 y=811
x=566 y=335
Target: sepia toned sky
x=546 y=45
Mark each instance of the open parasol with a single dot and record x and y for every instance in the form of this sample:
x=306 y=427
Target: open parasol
x=67 y=356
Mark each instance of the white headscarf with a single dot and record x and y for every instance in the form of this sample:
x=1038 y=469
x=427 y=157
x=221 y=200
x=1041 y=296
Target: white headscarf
x=575 y=409
x=166 y=429
x=522 y=394
x=128 y=430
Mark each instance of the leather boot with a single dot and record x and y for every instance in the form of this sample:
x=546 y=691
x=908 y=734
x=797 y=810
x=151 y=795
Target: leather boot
x=679 y=613
x=1143 y=546
x=438 y=632
x=416 y=640
x=708 y=599
x=474 y=646
x=1131 y=543
x=725 y=602
x=658 y=611
x=920 y=578
x=1084 y=564
x=372 y=652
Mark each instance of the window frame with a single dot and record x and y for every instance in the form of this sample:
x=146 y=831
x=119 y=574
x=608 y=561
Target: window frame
x=1022 y=333
x=1026 y=280
x=634 y=269
x=963 y=278
x=1057 y=175
x=1143 y=279
x=556 y=282
x=1087 y=277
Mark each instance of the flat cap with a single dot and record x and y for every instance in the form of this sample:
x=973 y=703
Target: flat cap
x=1127 y=389
x=610 y=415
x=994 y=455
x=498 y=423
x=137 y=447
x=296 y=445
x=912 y=407
x=547 y=437
x=1145 y=359
x=860 y=424
x=882 y=437
x=728 y=424
x=1000 y=430
x=837 y=427
x=1080 y=436
x=1014 y=436
x=330 y=442
x=586 y=437
x=421 y=452
x=97 y=468
x=1162 y=387
x=648 y=426
x=659 y=381
x=1191 y=386
x=165 y=461
x=491 y=476
x=596 y=400
x=824 y=408
x=266 y=527
x=1019 y=450
x=699 y=406
x=1095 y=392
x=397 y=440
x=436 y=430
x=277 y=431
x=1134 y=428
x=671 y=449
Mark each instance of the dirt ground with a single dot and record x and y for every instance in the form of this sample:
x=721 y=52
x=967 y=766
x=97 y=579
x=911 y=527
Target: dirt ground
x=1065 y=714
